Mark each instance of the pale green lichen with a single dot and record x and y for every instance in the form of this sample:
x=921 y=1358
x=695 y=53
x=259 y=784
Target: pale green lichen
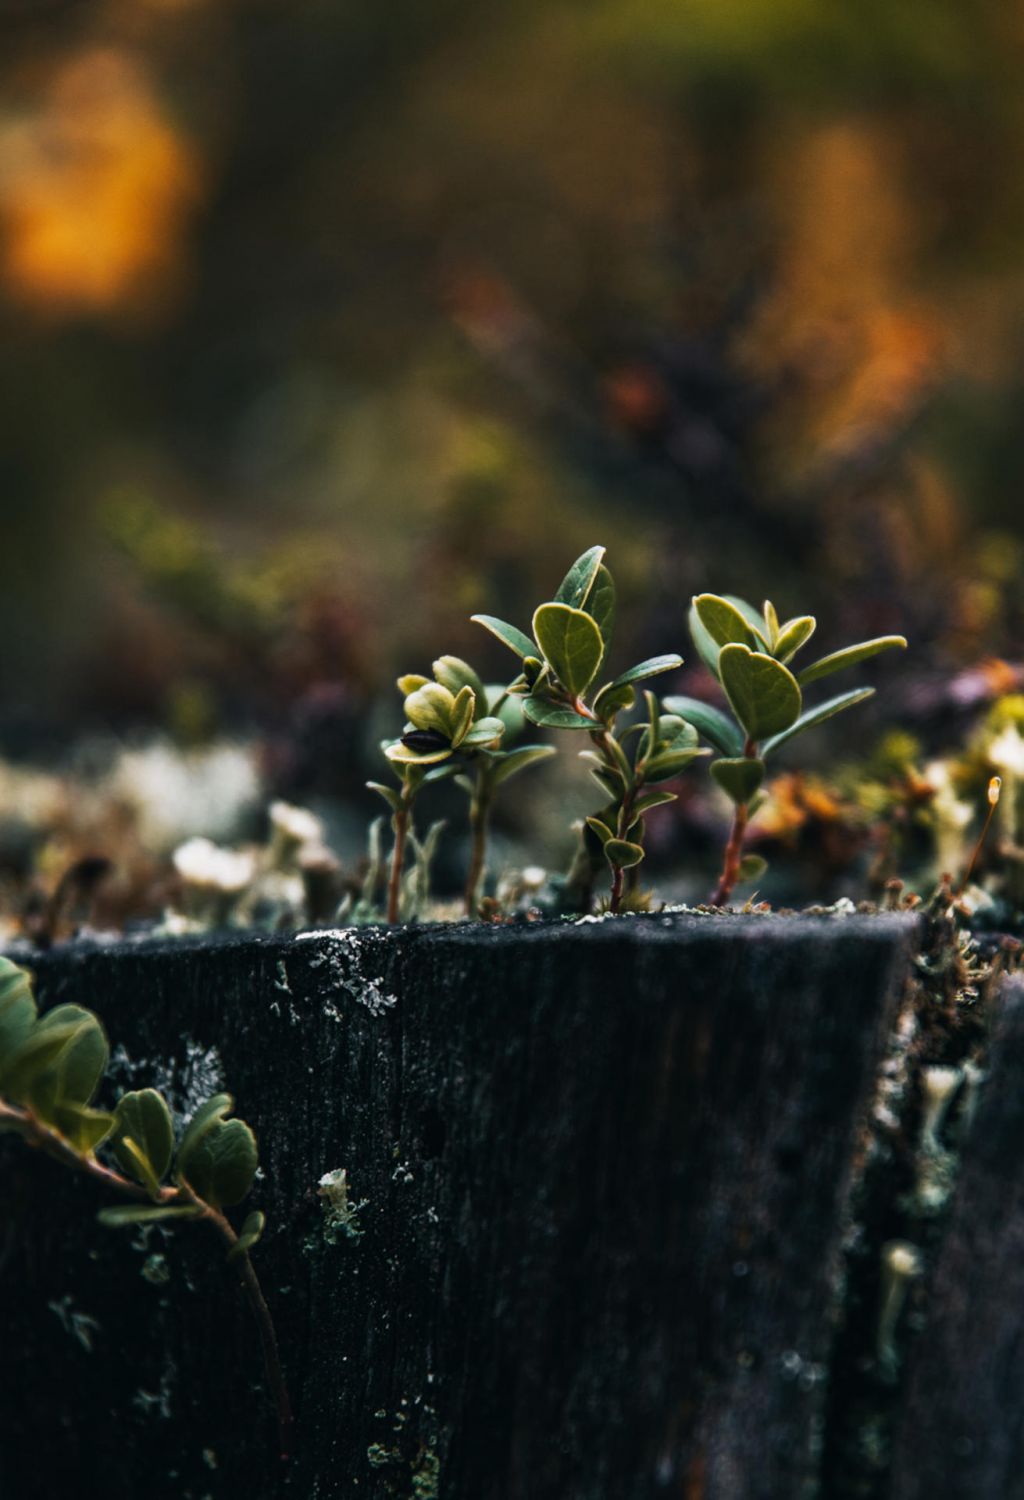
x=341 y=1216
x=426 y=1476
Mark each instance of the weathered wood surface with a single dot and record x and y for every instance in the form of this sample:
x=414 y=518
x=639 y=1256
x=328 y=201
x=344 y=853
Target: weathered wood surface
x=961 y=1435
x=604 y=1169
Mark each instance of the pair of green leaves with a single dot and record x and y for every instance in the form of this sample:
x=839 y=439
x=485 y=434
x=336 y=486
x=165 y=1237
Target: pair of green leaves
x=217 y=1157
x=571 y=637
x=749 y=652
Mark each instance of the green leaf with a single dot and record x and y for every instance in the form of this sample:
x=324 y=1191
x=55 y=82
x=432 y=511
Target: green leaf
x=548 y=715
x=607 y=780
x=410 y=683
x=719 y=731
x=793 y=635
x=815 y=716
x=763 y=693
x=649 y=668
x=221 y=1165
x=432 y=707
x=207 y=1116
x=771 y=625
x=511 y=762
x=17 y=1012
x=571 y=643
x=611 y=700
x=675 y=733
x=138 y=1165
x=652 y=799
x=725 y=623
x=621 y=854
x=83 y=1128
x=143 y=1118
x=455 y=674
x=36 y=1056
x=601 y=605
x=401 y=755
x=601 y=828
x=250 y=1232
x=508 y=635
x=752 y=867
x=462 y=715
x=669 y=763
x=739 y=778
x=83 y=1059
x=483 y=732
x=575 y=587
x=391 y=797
x=117 y=1218
x=849 y=657
x=707 y=646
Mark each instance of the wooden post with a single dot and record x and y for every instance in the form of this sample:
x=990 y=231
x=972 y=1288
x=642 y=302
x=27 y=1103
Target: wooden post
x=596 y=1175
x=961 y=1434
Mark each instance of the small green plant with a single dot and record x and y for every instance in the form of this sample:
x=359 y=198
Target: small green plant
x=51 y=1066
x=749 y=652
x=557 y=685
x=455 y=727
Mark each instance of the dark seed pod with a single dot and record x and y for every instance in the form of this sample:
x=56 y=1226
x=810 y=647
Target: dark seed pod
x=425 y=740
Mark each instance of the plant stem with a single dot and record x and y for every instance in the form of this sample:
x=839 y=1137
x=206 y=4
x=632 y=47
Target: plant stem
x=401 y=827
x=479 y=815
x=40 y=1136
x=264 y=1322
x=625 y=815
x=734 y=848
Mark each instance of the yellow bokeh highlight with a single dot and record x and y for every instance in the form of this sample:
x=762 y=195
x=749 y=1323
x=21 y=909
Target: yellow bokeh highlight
x=96 y=191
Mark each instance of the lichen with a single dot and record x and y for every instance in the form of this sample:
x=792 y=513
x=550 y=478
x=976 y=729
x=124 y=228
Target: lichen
x=80 y=1325
x=426 y=1476
x=341 y=1216
x=343 y=949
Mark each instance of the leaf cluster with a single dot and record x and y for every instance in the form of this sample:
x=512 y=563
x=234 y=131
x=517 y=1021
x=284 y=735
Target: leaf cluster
x=560 y=688
x=51 y=1066
x=751 y=654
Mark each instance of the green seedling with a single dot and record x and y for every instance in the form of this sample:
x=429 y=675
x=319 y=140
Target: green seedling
x=455 y=726
x=558 y=689
x=749 y=653
x=51 y=1066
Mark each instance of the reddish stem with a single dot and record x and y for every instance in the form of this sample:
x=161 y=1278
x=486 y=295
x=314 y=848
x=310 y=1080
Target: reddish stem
x=734 y=848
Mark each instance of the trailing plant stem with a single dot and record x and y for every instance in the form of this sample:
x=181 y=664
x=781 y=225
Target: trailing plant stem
x=39 y=1135
x=734 y=848
x=261 y=1312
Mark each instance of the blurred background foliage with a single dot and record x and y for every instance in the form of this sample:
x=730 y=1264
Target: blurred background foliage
x=325 y=324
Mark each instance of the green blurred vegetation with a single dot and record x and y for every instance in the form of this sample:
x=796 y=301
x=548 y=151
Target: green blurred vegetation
x=324 y=325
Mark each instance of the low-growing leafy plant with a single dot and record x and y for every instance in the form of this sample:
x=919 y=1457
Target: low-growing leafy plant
x=557 y=685
x=455 y=726
x=51 y=1066
x=749 y=652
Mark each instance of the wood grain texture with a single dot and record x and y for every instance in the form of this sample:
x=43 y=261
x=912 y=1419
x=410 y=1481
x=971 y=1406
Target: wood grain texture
x=604 y=1169
x=961 y=1435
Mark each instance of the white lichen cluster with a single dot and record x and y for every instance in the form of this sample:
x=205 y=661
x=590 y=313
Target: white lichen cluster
x=341 y=953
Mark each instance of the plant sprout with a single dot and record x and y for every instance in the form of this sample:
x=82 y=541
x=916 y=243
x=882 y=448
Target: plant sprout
x=748 y=652
x=455 y=726
x=51 y=1066
x=560 y=666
